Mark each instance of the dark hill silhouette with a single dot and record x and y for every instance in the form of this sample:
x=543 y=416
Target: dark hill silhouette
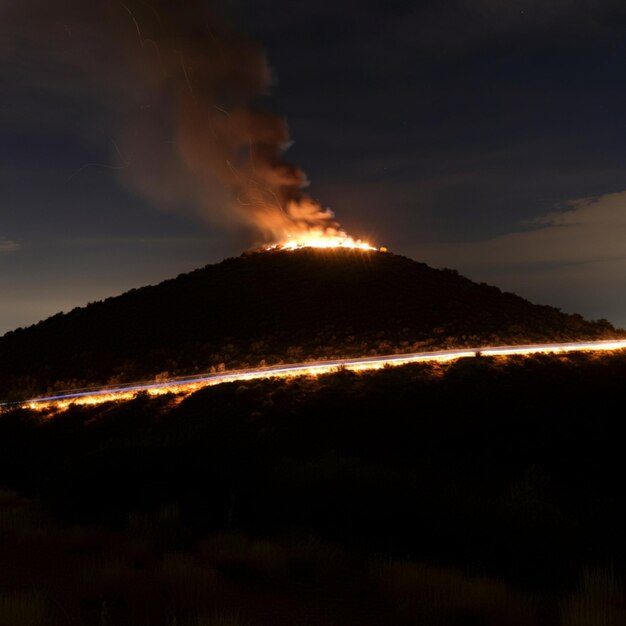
x=273 y=306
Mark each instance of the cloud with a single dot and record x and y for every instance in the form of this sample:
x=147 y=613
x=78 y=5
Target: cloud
x=589 y=230
x=574 y=258
x=463 y=23
x=443 y=28
x=605 y=210
x=7 y=246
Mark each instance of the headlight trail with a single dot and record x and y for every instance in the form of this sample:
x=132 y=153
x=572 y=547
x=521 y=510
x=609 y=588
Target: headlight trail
x=187 y=385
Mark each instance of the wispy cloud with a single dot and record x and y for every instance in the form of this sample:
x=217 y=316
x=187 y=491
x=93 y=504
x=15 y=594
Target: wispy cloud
x=587 y=230
x=6 y=245
x=574 y=258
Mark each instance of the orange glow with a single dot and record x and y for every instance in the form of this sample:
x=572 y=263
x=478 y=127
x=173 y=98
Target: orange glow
x=317 y=368
x=303 y=224
x=320 y=239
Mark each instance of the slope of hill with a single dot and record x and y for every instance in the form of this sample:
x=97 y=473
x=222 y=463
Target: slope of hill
x=508 y=467
x=274 y=306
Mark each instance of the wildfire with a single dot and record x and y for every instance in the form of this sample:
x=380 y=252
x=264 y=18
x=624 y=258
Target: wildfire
x=315 y=238
x=301 y=223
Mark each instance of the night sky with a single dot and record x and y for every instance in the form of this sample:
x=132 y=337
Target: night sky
x=483 y=135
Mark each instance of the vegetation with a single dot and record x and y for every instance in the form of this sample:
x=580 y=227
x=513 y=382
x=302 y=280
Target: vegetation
x=54 y=575
x=274 y=307
x=482 y=491
x=486 y=489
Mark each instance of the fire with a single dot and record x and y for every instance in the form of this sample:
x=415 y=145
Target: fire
x=303 y=223
x=319 y=238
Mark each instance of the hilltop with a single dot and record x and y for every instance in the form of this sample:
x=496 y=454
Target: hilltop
x=271 y=307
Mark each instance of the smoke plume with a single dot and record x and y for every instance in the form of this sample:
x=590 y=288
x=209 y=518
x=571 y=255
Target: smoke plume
x=183 y=89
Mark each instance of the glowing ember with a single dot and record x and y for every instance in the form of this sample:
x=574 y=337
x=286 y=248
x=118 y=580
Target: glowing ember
x=320 y=239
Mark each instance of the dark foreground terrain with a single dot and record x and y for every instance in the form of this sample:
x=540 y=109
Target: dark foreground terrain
x=486 y=491
x=274 y=307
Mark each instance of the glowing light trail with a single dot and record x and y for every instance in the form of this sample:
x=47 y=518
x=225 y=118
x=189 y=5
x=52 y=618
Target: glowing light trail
x=188 y=385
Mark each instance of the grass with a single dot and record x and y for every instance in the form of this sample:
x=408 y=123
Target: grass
x=430 y=595
x=599 y=601
x=53 y=575
x=22 y=609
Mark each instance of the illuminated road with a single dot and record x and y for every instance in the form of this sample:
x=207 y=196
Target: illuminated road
x=190 y=384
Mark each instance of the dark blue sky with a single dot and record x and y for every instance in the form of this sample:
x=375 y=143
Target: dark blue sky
x=476 y=134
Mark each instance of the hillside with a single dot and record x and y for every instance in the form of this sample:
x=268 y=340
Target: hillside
x=273 y=306
x=466 y=479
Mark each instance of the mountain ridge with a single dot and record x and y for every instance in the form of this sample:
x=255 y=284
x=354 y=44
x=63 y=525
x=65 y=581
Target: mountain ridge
x=271 y=307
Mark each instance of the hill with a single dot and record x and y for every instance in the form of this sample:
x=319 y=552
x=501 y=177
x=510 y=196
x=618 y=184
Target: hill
x=426 y=491
x=272 y=307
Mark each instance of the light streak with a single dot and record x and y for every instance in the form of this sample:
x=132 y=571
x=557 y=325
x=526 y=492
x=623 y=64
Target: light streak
x=188 y=385
x=142 y=41
x=224 y=111
x=268 y=191
x=184 y=68
x=115 y=168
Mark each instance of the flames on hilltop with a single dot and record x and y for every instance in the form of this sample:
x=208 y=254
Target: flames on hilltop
x=313 y=239
x=320 y=238
x=302 y=223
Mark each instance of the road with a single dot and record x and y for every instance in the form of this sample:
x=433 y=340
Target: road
x=193 y=383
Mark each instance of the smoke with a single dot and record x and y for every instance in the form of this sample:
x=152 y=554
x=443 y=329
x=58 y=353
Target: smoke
x=182 y=89
x=6 y=246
